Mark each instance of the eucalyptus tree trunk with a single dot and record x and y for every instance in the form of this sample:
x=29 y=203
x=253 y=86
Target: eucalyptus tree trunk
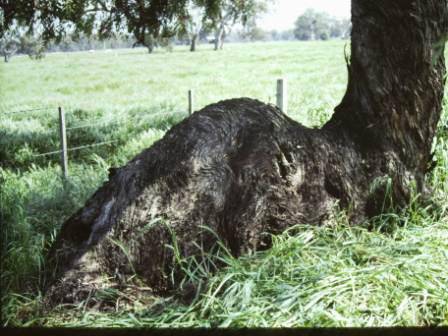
x=194 y=39
x=221 y=44
x=150 y=42
x=241 y=168
x=219 y=34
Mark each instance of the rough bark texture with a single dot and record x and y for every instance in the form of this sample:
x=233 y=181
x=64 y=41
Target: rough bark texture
x=396 y=81
x=242 y=168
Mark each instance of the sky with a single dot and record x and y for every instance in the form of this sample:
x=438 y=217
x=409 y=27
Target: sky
x=283 y=13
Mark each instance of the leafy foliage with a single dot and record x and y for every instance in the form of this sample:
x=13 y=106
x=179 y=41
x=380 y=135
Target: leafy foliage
x=55 y=18
x=227 y=12
x=146 y=20
x=313 y=25
x=9 y=44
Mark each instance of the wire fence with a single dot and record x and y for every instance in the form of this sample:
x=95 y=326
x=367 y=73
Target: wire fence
x=112 y=121
x=89 y=123
x=95 y=122
x=96 y=144
x=33 y=109
x=107 y=121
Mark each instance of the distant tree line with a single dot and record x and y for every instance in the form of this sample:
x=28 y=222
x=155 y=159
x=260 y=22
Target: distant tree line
x=314 y=25
x=109 y=24
x=15 y=41
x=151 y=23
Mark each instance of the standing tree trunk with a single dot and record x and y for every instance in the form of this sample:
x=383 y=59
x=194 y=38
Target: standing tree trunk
x=6 y=57
x=242 y=168
x=193 y=41
x=219 y=34
x=224 y=33
x=150 y=42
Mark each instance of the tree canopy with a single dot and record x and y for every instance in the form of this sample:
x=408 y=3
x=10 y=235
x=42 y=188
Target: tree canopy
x=314 y=25
x=55 y=18
x=146 y=20
x=220 y=15
x=226 y=11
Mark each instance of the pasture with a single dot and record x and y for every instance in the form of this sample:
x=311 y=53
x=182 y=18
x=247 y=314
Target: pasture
x=390 y=271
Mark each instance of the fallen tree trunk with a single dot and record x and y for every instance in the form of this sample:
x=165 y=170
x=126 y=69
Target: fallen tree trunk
x=242 y=168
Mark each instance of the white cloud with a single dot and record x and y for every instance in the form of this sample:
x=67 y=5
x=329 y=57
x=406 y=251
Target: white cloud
x=283 y=13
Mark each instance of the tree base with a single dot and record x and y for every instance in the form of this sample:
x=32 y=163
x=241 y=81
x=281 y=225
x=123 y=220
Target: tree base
x=239 y=170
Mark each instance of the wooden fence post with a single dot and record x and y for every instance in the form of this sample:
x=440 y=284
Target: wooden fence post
x=282 y=95
x=190 y=102
x=63 y=140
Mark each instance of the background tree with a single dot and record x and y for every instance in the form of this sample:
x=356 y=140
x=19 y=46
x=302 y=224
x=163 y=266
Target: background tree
x=223 y=14
x=20 y=40
x=32 y=46
x=287 y=35
x=257 y=34
x=304 y=25
x=72 y=42
x=192 y=23
x=51 y=17
x=146 y=20
x=340 y=28
x=251 y=32
x=9 y=44
x=314 y=25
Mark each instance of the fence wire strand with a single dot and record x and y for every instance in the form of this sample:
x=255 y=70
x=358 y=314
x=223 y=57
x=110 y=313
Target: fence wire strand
x=29 y=110
x=78 y=148
x=109 y=121
x=89 y=123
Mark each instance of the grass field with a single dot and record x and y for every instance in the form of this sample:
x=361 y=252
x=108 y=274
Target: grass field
x=392 y=274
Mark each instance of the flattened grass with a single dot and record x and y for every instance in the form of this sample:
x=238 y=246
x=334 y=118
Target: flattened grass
x=336 y=276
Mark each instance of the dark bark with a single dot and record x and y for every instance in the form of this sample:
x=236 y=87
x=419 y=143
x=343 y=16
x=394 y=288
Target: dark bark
x=396 y=83
x=6 y=58
x=243 y=168
x=193 y=42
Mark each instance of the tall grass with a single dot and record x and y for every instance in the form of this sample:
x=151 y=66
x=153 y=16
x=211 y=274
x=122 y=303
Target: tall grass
x=391 y=271
x=314 y=276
